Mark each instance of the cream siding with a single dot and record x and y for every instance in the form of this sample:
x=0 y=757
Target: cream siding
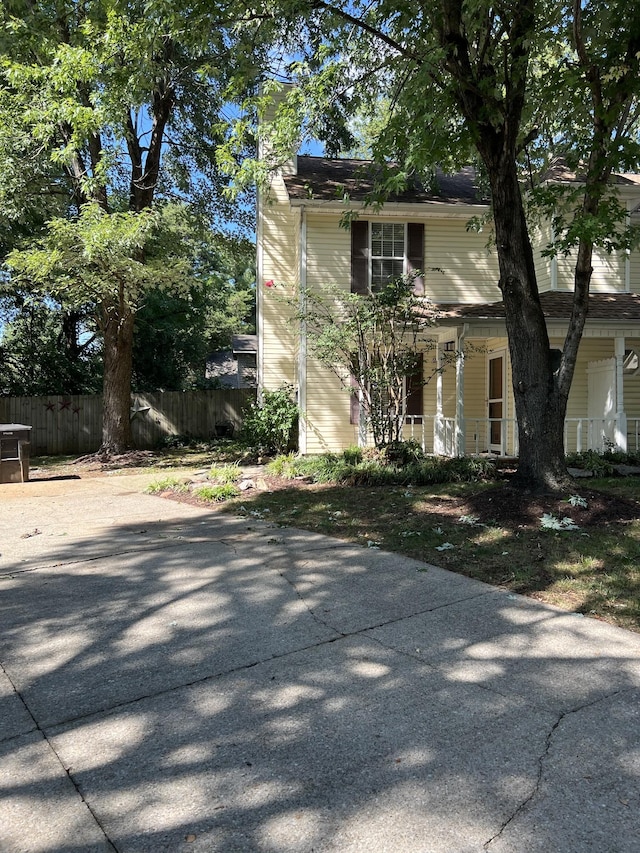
x=609 y=272
x=328 y=408
x=328 y=402
x=280 y=264
x=540 y=239
x=458 y=264
x=634 y=271
x=328 y=253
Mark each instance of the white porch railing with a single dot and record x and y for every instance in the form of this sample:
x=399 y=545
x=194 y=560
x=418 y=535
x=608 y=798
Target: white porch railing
x=437 y=435
x=602 y=434
x=633 y=435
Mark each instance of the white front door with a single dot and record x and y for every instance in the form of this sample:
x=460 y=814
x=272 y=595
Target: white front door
x=601 y=403
x=496 y=405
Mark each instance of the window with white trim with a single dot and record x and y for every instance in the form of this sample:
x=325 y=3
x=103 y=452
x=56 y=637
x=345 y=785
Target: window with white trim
x=382 y=251
x=387 y=252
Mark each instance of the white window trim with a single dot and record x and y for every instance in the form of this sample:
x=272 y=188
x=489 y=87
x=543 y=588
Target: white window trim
x=378 y=257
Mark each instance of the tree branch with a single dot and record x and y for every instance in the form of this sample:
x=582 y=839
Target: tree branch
x=374 y=31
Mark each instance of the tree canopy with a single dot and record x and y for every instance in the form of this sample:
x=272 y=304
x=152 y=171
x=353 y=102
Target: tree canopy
x=514 y=88
x=110 y=108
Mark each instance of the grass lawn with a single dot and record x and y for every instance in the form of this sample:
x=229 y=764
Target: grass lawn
x=594 y=569
x=483 y=529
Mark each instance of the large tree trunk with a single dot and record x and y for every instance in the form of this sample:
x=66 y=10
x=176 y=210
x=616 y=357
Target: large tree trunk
x=495 y=124
x=116 y=409
x=540 y=405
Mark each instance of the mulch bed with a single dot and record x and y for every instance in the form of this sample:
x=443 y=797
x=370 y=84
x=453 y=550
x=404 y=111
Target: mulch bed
x=511 y=507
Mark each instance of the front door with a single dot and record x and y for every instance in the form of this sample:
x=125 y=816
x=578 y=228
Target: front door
x=496 y=404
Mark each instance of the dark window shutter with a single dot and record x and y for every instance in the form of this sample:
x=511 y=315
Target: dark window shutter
x=359 y=256
x=354 y=399
x=415 y=254
x=415 y=389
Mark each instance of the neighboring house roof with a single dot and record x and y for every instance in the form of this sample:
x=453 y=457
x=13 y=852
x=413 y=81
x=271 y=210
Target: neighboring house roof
x=556 y=305
x=244 y=344
x=222 y=365
x=323 y=179
x=559 y=171
x=225 y=365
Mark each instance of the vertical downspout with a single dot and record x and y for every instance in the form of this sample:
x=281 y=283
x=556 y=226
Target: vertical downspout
x=460 y=431
x=302 y=354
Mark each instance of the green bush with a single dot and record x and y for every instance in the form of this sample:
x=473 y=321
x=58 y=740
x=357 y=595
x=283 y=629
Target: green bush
x=352 y=455
x=216 y=494
x=272 y=424
x=467 y=469
x=592 y=461
x=227 y=473
x=167 y=484
x=402 y=452
x=372 y=468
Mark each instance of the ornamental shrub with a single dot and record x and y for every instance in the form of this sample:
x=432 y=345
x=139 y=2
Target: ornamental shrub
x=271 y=425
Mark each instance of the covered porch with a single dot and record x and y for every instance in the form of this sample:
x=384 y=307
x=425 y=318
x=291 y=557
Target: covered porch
x=468 y=402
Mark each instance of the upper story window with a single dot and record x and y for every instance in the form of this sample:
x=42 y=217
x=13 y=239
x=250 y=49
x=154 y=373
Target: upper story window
x=382 y=251
x=387 y=252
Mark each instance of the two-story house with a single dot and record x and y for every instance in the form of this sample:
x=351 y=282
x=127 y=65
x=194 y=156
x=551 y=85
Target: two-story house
x=467 y=407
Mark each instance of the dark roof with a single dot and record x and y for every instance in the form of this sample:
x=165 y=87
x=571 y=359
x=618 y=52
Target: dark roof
x=241 y=344
x=559 y=171
x=556 y=306
x=322 y=179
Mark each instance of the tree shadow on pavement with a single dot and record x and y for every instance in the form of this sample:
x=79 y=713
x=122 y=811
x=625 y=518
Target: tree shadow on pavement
x=214 y=684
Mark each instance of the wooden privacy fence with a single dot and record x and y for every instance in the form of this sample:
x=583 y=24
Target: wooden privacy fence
x=73 y=423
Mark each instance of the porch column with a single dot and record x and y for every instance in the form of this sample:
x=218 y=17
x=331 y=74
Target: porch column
x=460 y=426
x=438 y=426
x=620 y=430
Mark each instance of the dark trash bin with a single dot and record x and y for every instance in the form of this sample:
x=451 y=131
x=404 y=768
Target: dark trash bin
x=15 y=443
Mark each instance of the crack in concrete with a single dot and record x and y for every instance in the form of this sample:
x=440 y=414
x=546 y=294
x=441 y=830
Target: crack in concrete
x=309 y=610
x=384 y=623
x=536 y=786
x=545 y=754
x=37 y=728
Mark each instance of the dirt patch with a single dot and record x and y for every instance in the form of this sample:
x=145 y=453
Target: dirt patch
x=513 y=508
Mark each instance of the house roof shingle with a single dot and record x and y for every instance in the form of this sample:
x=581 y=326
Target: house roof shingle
x=244 y=344
x=560 y=171
x=323 y=179
x=556 y=305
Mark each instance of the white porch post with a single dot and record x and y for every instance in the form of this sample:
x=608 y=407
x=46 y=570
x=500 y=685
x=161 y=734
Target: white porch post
x=621 y=416
x=460 y=427
x=438 y=425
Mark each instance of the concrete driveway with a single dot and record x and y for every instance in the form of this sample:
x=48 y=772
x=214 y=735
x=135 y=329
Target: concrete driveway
x=175 y=679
